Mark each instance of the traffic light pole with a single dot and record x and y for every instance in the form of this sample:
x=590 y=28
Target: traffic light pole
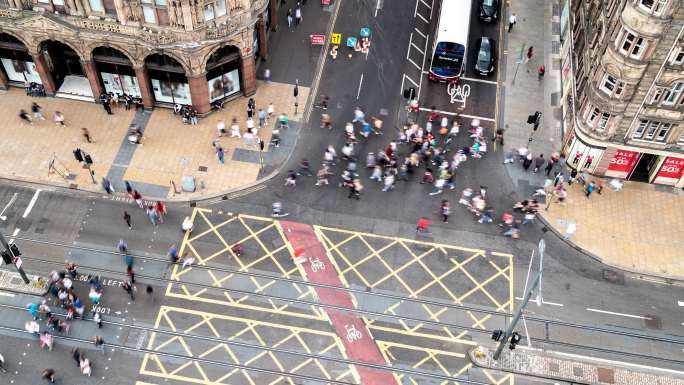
x=516 y=317
x=9 y=250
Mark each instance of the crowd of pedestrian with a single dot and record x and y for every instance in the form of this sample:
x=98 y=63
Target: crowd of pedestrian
x=45 y=324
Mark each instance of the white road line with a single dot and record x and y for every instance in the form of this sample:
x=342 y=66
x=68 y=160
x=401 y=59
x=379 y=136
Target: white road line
x=420 y=85
x=618 y=314
x=420 y=33
x=418 y=48
x=31 y=204
x=415 y=11
x=680 y=303
x=377 y=8
x=480 y=80
x=408 y=49
x=456 y=113
x=359 y=91
x=414 y=63
x=423 y=18
x=544 y=302
x=425 y=4
x=431 y=7
x=11 y=201
x=2 y=293
x=411 y=80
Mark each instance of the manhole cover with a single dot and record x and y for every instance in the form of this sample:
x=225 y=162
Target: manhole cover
x=577 y=372
x=554 y=367
x=653 y=322
x=613 y=276
x=606 y=375
x=203 y=168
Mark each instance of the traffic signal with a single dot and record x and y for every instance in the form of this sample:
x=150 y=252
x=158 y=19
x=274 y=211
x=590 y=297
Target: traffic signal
x=78 y=154
x=537 y=120
x=497 y=335
x=15 y=250
x=6 y=257
x=515 y=339
x=88 y=159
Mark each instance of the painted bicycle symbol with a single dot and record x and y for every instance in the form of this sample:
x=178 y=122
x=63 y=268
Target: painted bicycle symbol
x=352 y=333
x=316 y=265
x=458 y=93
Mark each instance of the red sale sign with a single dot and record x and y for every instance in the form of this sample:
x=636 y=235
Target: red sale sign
x=672 y=168
x=623 y=161
x=317 y=39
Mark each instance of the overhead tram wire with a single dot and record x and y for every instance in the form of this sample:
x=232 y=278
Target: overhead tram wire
x=676 y=340
x=385 y=315
x=227 y=341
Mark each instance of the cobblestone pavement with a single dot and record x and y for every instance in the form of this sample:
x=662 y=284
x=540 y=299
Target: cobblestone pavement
x=573 y=369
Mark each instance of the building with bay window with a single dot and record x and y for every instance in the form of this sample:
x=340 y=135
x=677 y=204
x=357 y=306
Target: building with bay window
x=622 y=65
x=164 y=51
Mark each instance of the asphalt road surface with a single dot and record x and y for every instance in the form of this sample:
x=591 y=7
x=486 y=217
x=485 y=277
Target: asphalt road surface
x=260 y=317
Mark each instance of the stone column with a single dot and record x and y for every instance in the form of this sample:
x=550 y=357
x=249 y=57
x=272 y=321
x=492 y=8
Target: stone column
x=248 y=75
x=263 y=39
x=94 y=78
x=273 y=14
x=44 y=72
x=3 y=80
x=199 y=93
x=145 y=87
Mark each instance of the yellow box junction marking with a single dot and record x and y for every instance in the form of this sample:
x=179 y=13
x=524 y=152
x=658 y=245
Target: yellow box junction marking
x=250 y=329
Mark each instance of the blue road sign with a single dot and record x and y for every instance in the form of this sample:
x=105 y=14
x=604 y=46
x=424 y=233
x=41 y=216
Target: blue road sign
x=365 y=32
x=351 y=42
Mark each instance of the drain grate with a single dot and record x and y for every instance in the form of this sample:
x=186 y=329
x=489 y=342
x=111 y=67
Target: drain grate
x=556 y=9
x=653 y=322
x=203 y=168
x=554 y=367
x=613 y=276
x=555 y=47
x=555 y=28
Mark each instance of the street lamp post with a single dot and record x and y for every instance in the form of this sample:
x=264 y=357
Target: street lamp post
x=509 y=331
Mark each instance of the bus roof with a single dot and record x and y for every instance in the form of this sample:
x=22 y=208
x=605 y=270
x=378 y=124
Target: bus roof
x=454 y=21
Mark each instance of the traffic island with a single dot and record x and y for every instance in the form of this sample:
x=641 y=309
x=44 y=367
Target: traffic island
x=573 y=368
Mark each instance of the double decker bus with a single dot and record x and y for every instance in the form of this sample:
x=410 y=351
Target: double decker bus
x=449 y=50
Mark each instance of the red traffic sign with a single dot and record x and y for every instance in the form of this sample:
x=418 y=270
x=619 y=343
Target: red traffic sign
x=317 y=39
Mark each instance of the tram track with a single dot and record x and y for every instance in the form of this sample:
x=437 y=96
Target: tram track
x=674 y=339
x=377 y=315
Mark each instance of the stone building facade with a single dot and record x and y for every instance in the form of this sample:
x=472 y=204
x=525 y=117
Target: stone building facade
x=622 y=64
x=193 y=52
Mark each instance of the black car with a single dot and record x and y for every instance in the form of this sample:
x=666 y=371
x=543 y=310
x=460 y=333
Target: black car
x=485 y=55
x=489 y=10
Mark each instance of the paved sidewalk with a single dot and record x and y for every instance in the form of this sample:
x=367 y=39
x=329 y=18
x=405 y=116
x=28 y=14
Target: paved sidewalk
x=170 y=149
x=611 y=227
x=639 y=228
x=572 y=368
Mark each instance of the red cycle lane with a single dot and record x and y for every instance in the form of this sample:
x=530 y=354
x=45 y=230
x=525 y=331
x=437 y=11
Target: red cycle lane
x=349 y=326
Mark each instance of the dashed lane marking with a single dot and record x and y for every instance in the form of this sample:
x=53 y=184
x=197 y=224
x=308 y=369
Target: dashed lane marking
x=618 y=314
x=31 y=204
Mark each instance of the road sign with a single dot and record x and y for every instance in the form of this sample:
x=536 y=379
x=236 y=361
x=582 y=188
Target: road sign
x=365 y=32
x=335 y=38
x=317 y=39
x=351 y=42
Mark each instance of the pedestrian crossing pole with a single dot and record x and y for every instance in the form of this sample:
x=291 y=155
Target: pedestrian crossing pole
x=516 y=317
x=10 y=255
